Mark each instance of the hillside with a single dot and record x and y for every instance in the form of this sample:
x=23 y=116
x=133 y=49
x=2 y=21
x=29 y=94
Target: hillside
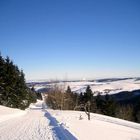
x=111 y=86
x=39 y=123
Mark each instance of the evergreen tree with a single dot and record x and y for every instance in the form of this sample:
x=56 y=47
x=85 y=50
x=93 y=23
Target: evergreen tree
x=81 y=98
x=38 y=94
x=98 y=101
x=68 y=89
x=108 y=106
x=69 y=99
x=88 y=94
x=137 y=111
x=13 y=89
x=2 y=75
x=105 y=105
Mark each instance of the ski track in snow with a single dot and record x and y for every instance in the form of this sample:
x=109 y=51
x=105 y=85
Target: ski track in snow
x=37 y=124
x=32 y=126
x=59 y=130
x=46 y=124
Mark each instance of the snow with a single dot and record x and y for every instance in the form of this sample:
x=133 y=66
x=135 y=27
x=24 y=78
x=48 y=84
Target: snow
x=31 y=126
x=59 y=131
x=38 y=123
x=98 y=128
x=111 y=87
x=8 y=113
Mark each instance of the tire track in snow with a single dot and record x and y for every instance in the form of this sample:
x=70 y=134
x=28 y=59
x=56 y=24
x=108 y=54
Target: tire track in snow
x=32 y=126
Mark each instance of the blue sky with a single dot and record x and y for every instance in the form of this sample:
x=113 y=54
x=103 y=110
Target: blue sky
x=72 y=39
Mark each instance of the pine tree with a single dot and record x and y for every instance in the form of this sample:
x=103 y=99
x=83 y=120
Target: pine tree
x=88 y=94
x=69 y=99
x=2 y=74
x=81 y=98
x=68 y=89
x=137 y=111
x=13 y=89
x=108 y=106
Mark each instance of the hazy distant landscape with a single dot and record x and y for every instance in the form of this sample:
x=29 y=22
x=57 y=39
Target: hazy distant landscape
x=110 y=86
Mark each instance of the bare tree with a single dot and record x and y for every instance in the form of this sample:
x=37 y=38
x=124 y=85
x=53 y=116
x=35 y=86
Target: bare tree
x=87 y=109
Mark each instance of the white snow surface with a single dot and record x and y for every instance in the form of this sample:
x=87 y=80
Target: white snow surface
x=8 y=113
x=102 y=87
x=38 y=123
x=31 y=126
x=98 y=128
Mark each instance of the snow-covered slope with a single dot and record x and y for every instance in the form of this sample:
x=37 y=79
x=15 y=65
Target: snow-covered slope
x=106 y=87
x=110 y=87
x=31 y=126
x=98 y=128
x=45 y=124
x=9 y=113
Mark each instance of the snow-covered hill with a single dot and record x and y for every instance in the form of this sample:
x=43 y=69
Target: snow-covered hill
x=38 y=123
x=106 y=86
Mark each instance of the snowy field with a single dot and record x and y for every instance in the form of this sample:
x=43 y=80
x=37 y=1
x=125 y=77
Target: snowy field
x=37 y=123
x=110 y=87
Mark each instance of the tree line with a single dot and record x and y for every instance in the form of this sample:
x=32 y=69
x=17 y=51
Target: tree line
x=106 y=105
x=13 y=90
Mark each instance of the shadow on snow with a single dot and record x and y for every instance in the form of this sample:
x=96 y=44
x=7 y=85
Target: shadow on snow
x=60 y=133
